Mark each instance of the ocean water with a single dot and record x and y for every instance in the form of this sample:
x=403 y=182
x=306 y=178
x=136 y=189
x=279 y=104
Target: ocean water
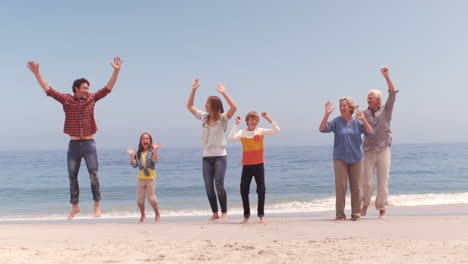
x=34 y=184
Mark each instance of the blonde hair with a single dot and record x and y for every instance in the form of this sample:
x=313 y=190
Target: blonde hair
x=250 y=115
x=350 y=102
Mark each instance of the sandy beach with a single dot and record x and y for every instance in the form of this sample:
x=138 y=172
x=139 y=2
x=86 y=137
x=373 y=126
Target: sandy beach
x=440 y=237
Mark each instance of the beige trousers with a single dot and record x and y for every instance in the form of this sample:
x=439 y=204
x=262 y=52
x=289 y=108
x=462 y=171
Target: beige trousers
x=146 y=187
x=376 y=161
x=343 y=171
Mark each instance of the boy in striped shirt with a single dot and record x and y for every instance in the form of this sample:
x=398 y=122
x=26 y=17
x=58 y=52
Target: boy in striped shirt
x=253 y=159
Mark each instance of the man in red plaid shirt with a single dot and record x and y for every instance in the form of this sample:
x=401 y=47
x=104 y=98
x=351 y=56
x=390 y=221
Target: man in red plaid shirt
x=81 y=126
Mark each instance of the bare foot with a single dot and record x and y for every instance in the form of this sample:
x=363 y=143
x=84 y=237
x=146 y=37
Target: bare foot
x=142 y=219
x=339 y=219
x=263 y=220
x=157 y=219
x=223 y=216
x=364 y=211
x=97 y=210
x=245 y=221
x=382 y=214
x=214 y=216
x=75 y=209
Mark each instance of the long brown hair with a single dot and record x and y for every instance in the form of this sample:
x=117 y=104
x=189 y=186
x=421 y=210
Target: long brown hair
x=140 y=146
x=216 y=106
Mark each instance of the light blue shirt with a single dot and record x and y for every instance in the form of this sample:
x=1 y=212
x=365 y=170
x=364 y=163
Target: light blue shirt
x=348 y=141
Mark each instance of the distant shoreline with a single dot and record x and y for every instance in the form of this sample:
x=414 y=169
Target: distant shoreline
x=230 y=146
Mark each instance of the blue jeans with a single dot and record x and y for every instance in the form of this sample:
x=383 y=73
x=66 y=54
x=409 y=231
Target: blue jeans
x=214 y=169
x=78 y=149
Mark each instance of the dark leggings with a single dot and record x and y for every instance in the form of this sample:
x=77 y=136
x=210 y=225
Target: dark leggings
x=214 y=169
x=249 y=171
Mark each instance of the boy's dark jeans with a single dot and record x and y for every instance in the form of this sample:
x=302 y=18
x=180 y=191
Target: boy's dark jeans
x=249 y=171
x=78 y=149
x=214 y=170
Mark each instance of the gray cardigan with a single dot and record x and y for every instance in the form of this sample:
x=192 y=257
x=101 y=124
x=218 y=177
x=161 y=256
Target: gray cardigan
x=213 y=135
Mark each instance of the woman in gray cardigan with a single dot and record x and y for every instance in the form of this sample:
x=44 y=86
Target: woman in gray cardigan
x=214 y=124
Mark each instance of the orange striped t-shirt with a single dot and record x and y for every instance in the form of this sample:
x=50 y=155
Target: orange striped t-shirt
x=252 y=142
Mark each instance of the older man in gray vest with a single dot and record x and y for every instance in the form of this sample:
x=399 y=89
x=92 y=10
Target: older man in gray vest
x=377 y=154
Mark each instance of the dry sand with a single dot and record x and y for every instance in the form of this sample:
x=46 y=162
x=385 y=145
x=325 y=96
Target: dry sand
x=436 y=238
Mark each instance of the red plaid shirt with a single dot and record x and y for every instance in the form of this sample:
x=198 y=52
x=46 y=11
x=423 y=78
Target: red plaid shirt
x=79 y=114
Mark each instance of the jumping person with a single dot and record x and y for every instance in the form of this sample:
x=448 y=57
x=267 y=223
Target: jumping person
x=347 y=154
x=214 y=125
x=253 y=159
x=377 y=154
x=145 y=159
x=81 y=127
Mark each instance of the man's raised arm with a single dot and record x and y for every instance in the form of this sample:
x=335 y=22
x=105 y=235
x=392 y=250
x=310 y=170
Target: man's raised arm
x=116 y=65
x=385 y=72
x=34 y=67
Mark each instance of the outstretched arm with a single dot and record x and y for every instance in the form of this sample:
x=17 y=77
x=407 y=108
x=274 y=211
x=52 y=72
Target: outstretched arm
x=385 y=72
x=116 y=65
x=232 y=105
x=190 y=106
x=34 y=67
x=328 y=110
x=391 y=93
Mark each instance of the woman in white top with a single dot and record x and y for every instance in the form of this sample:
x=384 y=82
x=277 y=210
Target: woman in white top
x=214 y=124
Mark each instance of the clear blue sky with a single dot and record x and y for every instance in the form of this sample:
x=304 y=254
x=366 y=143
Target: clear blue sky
x=283 y=57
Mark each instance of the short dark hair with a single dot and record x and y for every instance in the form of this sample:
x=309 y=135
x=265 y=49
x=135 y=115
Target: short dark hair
x=78 y=82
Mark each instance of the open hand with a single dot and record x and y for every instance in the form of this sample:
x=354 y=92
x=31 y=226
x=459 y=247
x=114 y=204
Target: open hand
x=360 y=115
x=117 y=63
x=34 y=67
x=156 y=146
x=221 y=88
x=195 y=84
x=329 y=108
x=130 y=151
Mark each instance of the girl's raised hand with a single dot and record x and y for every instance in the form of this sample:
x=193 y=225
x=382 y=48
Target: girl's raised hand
x=130 y=151
x=195 y=84
x=156 y=146
x=221 y=88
